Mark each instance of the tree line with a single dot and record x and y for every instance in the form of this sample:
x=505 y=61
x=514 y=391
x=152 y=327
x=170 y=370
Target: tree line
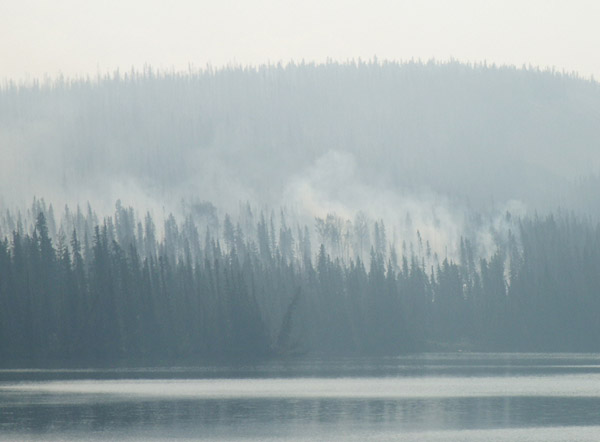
x=89 y=291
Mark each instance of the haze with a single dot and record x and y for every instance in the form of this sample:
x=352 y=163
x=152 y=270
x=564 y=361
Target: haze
x=40 y=38
x=275 y=220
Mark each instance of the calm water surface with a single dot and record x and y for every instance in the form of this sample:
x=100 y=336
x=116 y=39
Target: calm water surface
x=433 y=397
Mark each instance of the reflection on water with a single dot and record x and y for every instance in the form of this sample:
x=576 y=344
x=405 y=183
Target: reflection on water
x=311 y=388
x=497 y=397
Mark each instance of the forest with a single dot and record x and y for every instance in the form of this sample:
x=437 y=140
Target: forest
x=353 y=208
x=259 y=285
x=356 y=134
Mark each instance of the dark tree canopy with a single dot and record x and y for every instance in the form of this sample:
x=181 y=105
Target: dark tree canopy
x=128 y=294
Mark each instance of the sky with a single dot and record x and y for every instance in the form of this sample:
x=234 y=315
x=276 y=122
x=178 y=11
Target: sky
x=41 y=38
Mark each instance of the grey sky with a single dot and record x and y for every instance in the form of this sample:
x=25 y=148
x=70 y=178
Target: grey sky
x=75 y=37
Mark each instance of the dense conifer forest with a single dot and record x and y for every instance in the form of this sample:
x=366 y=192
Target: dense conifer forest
x=85 y=290
x=387 y=208
x=358 y=134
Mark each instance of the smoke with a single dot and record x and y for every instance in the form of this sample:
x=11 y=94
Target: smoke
x=430 y=221
x=435 y=152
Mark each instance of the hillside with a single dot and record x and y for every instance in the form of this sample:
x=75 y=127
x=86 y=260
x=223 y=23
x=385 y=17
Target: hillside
x=319 y=137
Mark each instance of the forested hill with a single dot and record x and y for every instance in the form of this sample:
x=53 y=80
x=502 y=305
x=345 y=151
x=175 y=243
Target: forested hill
x=255 y=286
x=386 y=208
x=308 y=134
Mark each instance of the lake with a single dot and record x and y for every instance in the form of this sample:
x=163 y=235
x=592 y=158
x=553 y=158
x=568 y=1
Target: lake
x=424 y=397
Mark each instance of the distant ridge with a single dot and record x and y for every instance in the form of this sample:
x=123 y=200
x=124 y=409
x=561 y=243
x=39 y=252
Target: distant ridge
x=477 y=133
